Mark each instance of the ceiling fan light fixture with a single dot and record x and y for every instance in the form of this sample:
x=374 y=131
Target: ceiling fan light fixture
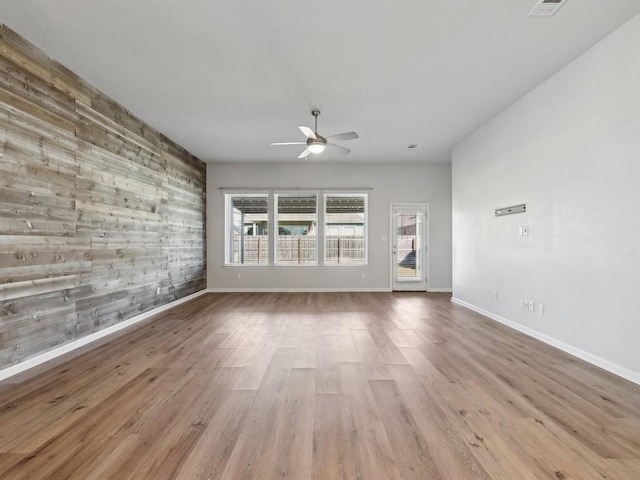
x=316 y=147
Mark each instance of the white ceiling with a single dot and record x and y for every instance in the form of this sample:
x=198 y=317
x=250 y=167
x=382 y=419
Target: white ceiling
x=226 y=78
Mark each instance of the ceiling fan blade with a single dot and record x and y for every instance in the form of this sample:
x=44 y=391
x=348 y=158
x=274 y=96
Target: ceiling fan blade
x=341 y=137
x=308 y=132
x=304 y=154
x=339 y=149
x=289 y=143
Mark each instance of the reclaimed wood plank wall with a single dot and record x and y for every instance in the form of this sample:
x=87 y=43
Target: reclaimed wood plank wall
x=97 y=209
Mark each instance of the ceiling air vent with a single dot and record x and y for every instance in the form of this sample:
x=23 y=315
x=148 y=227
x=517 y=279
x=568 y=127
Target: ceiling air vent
x=545 y=8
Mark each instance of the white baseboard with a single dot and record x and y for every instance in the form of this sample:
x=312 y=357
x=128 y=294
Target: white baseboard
x=296 y=290
x=69 y=347
x=565 y=347
x=440 y=290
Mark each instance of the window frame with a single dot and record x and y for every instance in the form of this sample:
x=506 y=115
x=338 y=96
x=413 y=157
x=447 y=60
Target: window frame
x=272 y=225
x=365 y=226
x=228 y=225
x=276 y=226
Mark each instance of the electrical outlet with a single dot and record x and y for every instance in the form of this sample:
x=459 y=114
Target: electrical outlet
x=525 y=231
x=540 y=309
x=520 y=231
x=531 y=306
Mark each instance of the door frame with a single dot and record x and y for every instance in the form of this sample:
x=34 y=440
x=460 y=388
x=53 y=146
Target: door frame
x=427 y=243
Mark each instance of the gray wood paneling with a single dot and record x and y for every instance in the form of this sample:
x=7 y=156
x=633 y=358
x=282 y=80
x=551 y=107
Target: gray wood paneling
x=97 y=209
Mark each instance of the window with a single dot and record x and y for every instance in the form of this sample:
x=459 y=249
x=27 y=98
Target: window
x=345 y=221
x=297 y=218
x=247 y=229
x=295 y=228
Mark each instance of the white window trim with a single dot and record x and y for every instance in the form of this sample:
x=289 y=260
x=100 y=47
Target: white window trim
x=228 y=212
x=294 y=193
x=347 y=193
x=272 y=195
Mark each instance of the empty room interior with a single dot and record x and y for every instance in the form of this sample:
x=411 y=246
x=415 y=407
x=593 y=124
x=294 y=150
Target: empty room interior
x=320 y=240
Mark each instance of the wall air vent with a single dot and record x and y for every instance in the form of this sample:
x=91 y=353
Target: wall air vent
x=545 y=8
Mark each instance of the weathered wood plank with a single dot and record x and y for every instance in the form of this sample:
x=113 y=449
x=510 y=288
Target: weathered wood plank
x=20 y=82
x=102 y=120
x=41 y=71
x=35 y=287
x=21 y=128
x=13 y=100
x=119 y=114
x=104 y=138
x=26 y=273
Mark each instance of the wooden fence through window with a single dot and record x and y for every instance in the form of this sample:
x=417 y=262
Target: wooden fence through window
x=299 y=249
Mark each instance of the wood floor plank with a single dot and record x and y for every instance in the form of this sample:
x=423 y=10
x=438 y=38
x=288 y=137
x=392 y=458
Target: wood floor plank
x=151 y=423
x=8 y=460
x=565 y=408
x=319 y=386
x=328 y=378
x=256 y=367
x=622 y=469
x=307 y=347
x=446 y=444
x=112 y=465
x=208 y=459
x=333 y=453
x=388 y=350
x=240 y=356
x=72 y=443
x=262 y=416
x=412 y=454
x=290 y=453
x=372 y=360
x=373 y=453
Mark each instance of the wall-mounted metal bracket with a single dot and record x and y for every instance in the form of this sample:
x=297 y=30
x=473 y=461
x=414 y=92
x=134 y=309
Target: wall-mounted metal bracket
x=499 y=212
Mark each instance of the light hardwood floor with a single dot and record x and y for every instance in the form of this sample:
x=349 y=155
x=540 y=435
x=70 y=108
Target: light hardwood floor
x=320 y=386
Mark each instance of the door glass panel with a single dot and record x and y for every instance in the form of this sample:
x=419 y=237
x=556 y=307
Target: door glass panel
x=407 y=239
x=409 y=247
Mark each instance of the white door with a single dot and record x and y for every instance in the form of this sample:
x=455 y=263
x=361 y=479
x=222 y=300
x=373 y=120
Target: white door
x=409 y=247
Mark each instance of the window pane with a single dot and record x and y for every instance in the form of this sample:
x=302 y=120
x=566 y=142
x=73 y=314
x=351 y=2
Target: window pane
x=248 y=229
x=345 y=229
x=297 y=217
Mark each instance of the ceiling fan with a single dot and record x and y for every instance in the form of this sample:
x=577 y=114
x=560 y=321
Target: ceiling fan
x=317 y=144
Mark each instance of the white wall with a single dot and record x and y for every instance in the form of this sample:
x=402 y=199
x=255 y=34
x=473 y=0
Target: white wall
x=411 y=183
x=570 y=150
